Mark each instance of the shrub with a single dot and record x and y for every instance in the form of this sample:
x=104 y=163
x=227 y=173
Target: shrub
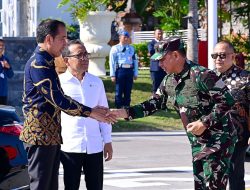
x=142 y=52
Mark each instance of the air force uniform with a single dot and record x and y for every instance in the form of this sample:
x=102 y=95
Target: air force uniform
x=124 y=67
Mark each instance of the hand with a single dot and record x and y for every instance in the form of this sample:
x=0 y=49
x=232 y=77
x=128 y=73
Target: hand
x=196 y=127
x=135 y=77
x=5 y=64
x=113 y=79
x=103 y=114
x=120 y=113
x=108 y=151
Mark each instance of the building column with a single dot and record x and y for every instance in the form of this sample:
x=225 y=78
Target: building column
x=212 y=35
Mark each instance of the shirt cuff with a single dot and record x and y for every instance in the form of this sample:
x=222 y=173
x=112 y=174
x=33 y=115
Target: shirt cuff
x=130 y=113
x=86 y=111
x=206 y=121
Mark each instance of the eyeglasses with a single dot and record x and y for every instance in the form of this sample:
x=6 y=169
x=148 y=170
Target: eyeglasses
x=220 y=55
x=81 y=56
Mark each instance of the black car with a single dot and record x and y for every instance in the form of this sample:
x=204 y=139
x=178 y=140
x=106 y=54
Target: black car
x=13 y=158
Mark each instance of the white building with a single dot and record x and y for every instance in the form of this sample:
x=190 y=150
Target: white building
x=21 y=17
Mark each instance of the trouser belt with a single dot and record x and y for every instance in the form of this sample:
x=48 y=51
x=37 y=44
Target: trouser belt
x=126 y=66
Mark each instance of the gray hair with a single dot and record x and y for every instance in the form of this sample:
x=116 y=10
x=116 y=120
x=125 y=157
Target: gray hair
x=66 y=52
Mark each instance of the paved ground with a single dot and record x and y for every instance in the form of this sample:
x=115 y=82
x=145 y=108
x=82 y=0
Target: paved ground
x=150 y=161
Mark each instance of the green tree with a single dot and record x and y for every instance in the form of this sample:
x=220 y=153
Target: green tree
x=242 y=11
x=171 y=13
x=80 y=8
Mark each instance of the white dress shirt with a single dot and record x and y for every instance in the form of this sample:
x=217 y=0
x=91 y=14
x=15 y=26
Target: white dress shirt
x=80 y=134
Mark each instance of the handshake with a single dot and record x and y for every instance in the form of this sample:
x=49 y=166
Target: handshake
x=107 y=115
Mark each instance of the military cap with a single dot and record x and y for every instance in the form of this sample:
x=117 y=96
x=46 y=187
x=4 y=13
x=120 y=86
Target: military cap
x=124 y=33
x=172 y=43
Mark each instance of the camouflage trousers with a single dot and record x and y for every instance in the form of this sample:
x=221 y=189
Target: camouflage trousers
x=212 y=171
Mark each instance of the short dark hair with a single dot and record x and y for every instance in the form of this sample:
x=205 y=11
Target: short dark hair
x=66 y=52
x=1 y=40
x=229 y=45
x=48 y=26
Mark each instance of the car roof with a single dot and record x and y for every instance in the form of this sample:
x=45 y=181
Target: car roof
x=8 y=115
x=7 y=108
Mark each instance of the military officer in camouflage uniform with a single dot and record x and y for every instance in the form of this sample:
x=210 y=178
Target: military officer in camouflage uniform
x=203 y=102
x=238 y=82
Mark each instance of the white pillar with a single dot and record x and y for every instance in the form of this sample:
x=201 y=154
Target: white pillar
x=212 y=30
x=7 y=9
x=33 y=18
x=16 y=18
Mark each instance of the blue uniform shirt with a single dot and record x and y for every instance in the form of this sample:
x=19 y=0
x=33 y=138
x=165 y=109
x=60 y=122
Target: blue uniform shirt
x=122 y=55
x=4 y=74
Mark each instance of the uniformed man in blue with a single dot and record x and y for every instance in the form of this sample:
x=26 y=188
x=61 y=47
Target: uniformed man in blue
x=43 y=101
x=123 y=69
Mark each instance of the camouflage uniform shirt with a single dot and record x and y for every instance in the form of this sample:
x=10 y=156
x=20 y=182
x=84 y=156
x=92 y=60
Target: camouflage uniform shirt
x=197 y=94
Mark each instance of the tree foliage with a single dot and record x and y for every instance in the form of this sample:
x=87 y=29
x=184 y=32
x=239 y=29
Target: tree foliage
x=171 y=13
x=142 y=53
x=241 y=12
x=80 y=8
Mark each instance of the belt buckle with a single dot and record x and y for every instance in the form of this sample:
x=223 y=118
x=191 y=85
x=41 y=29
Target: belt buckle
x=126 y=66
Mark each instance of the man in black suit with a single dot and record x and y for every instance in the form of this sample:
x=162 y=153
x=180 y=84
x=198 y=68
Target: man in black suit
x=156 y=72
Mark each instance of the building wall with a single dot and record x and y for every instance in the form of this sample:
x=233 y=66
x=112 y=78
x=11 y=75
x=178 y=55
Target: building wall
x=18 y=50
x=21 y=17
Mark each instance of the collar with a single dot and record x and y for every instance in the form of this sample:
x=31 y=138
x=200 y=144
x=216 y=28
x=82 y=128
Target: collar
x=229 y=71
x=69 y=76
x=122 y=48
x=183 y=73
x=48 y=58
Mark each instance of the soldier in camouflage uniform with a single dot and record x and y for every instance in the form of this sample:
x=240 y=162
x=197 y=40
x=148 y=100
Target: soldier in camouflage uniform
x=203 y=102
x=238 y=82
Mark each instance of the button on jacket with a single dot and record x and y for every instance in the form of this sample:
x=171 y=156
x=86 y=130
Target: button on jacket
x=4 y=74
x=84 y=135
x=122 y=54
x=43 y=101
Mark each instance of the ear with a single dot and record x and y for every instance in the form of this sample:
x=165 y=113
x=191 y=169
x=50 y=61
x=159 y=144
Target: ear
x=49 y=39
x=234 y=57
x=66 y=60
x=175 y=54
